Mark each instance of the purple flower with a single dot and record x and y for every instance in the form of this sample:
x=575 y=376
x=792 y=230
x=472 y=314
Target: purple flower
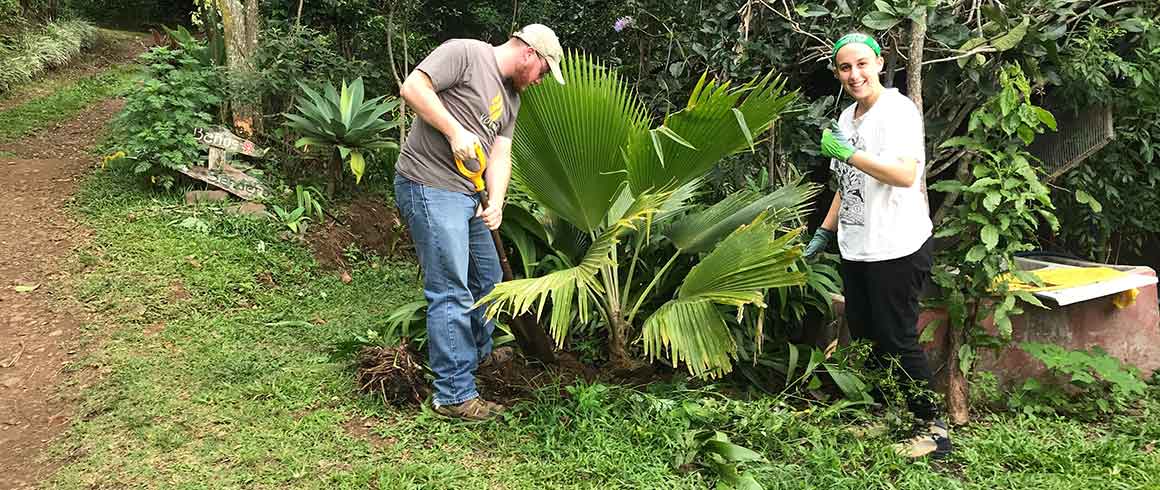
x=622 y=23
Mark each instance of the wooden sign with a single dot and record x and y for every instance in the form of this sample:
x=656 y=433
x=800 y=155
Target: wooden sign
x=218 y=172
x=222 y=138
x=231 y=180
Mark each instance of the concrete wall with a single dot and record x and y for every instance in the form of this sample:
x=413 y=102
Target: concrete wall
x=1131 y=334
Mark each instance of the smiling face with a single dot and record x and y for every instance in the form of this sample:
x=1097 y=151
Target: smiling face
x=857 y=67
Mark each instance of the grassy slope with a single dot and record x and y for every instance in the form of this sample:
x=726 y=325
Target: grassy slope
x=200 y=374
x=204 y=392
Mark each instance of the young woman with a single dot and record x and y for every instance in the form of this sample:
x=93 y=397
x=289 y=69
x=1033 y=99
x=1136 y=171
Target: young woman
x=881 y=220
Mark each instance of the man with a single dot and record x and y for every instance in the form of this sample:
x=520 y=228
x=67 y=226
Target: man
x=882 y=223
x=466 y=94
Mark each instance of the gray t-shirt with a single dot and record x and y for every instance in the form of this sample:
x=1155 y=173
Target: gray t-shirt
x=467 y=80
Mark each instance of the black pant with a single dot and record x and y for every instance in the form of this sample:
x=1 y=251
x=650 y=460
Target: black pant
x=882 y=307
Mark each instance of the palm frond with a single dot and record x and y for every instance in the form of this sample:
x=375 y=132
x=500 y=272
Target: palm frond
x=578 y=284
x=699 y=232
x=691 y=327
x=718 y=121
x=567 y=148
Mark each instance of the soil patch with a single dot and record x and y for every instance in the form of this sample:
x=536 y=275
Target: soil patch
x=368 y=225
x=39 y=323
x=518 y=378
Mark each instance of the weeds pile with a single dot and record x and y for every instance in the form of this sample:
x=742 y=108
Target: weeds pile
x=25 y=56
x=393 y=373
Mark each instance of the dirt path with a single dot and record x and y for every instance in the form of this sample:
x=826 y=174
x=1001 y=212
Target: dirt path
x=39 y=327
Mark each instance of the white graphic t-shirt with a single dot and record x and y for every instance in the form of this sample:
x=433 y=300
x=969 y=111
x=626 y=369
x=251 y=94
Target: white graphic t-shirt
x=878 y=221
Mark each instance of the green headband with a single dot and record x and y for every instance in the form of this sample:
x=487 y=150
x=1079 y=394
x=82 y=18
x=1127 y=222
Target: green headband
x=857 y=38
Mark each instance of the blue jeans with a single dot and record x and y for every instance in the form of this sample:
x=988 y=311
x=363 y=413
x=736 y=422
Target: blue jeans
x=460 y=266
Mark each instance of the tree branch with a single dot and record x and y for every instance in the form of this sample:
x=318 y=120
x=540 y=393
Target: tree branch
x=983 y=49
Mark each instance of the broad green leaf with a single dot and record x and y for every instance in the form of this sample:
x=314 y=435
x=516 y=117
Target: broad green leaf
x=880 y=21
x=990 y=236
x=732 y=452
x=992 y=200
x=1045 y=117
x=814 y=10
x=357 y=165
x=966 y=359
x=1013 y=37
x=567 y=150
x=967 y=47
x=976 y=253
x=1085 y=198
x=927 y=335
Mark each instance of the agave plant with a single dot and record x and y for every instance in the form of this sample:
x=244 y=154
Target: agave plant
x=339 y=117
x=586 y=154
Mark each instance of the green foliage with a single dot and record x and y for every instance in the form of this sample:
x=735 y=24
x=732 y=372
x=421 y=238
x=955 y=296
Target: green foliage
x=1118 y=67
x=210 y=53
x=344 y=120
x=42 y=48
x=1003 y=202
x=132 y=13
x=288 y=55
x=1096 y=382
x=309 y=198
x=156 y=128
x=607 y=175
x=296 y=219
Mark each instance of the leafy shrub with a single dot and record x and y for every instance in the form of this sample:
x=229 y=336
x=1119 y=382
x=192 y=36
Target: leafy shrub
x=288 y=55
x=1096 y=383
x=342 y=119
x=38 y=50
x=177 y=96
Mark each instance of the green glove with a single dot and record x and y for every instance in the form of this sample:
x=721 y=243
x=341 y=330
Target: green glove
x=836 y=145
x=818 y=243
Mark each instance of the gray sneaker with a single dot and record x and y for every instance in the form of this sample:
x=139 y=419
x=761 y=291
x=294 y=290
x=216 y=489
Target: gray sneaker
x=934 y=440
x=473 y=410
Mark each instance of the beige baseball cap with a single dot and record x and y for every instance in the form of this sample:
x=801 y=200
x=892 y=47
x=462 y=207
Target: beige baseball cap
x=544 y=41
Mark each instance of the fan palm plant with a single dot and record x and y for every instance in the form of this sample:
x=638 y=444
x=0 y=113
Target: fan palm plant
x=586 y=154
x=341 y=119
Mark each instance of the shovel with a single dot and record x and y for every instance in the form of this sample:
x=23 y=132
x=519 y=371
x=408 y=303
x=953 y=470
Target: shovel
x=530 y=336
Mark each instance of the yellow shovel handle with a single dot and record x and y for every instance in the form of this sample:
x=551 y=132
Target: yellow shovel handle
x=477 y=176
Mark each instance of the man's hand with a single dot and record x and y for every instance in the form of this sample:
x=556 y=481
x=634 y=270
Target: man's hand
x=463 y=143
x=836 y=145
x=492 y=216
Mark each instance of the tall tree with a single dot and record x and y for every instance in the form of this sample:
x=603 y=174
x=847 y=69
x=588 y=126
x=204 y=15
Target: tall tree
x=240 y=26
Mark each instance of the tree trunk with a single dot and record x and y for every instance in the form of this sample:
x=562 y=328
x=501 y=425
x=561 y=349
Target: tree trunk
x=914 y=78
x=618 y=342
x=240 y=23
x=958 y=402
x=395 y=71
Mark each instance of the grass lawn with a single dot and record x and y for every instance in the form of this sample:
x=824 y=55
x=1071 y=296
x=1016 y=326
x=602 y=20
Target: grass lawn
x=209 y=369
x=70 y=97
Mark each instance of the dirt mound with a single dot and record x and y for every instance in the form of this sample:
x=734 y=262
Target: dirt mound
x=368 y=225
x=393 y=373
